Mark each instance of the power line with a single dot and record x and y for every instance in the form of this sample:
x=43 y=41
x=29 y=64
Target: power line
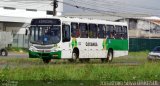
x=111 y=13
x=120 y=10
x=22 y=5
x=106 y=6
x=103 y=2
x=135 y=6
x=103 y=6
x=91 y=9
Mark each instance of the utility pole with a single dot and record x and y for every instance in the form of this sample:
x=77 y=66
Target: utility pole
x=55 y=5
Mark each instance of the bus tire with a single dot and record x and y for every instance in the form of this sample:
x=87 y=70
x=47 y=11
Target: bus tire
x=4 y=52
x=74 y=57
x=46 y=61
x=110 y=56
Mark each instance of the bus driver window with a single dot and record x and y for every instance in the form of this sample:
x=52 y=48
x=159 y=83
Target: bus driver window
x=66 y=33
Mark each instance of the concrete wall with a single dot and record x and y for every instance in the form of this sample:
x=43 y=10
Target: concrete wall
x=18 y=31
x=14 y=27
x=15 y=20
x=40 y=8
x=140 y=28
x=1 y=26
x=20 y=40
x=145 y=25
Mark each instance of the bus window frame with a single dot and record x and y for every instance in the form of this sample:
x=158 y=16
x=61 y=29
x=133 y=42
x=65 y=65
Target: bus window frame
x=125 y=32
x=77 y=35
x=41 y=26
x=110 y=34
x=68 y=40
x=94 y=32
x=86 y=30
x=104 y=30
x=120 y=31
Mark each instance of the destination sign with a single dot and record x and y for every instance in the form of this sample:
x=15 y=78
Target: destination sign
x=45 y=22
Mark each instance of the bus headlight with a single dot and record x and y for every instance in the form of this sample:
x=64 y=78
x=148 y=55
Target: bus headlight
x=54 y=50
x=33 y=49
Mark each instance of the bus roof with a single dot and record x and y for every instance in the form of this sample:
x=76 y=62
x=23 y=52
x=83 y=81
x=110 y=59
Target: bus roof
x=83 y=20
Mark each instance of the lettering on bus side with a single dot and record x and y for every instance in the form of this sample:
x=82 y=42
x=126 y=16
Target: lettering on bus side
x=91 y=44
x=79 y=43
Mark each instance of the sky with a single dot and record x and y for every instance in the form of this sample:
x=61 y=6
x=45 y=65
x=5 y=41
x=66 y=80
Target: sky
x=150 y=7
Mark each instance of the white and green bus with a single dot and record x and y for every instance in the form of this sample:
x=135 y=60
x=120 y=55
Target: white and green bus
x=75 y=38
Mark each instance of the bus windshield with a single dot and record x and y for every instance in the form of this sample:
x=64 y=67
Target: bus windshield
x=45 y=35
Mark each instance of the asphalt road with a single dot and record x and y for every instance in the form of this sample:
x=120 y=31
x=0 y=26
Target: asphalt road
x=16 y=55
x=25 y=55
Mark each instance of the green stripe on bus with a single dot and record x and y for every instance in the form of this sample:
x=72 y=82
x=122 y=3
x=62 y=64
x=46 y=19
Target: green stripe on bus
x=117 y=44
x=51 y=55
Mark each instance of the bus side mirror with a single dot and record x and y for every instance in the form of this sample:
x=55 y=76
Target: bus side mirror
x=26 y=32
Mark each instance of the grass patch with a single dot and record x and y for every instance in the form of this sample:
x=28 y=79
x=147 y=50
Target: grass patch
x=34 y=69
x=17 y=50
x=147 y=71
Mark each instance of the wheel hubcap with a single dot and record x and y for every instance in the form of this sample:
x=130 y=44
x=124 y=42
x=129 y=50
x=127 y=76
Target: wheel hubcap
x=110 y=56
x=74 y=55
x=3 y=53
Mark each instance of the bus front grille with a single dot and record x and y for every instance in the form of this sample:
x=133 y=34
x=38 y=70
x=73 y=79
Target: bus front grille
x=44 y=54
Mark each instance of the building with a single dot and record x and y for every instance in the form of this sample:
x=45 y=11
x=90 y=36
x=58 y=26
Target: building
x=143 y=27
x=15 y=16
x=144 y=32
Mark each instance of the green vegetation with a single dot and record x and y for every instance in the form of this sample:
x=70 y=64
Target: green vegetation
x=18 y=50
x=120 y=69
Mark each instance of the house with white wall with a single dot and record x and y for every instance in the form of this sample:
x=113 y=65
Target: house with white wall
x=15 y=16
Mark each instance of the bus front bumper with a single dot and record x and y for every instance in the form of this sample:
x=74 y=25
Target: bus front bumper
x=51 y=55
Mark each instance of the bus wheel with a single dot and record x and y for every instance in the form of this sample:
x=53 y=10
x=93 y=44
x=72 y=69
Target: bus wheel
x=110 y=56
x=46 y=61
x=74 y=57
x=3 y=52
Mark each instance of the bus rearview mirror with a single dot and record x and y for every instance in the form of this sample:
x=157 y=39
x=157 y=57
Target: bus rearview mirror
x=26 y=32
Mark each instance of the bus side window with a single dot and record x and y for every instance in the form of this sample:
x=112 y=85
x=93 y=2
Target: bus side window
x=115 y=32
x=83 y=30
x=107 y=32
x=119 y=32
x=110 y=31
x=92 y=30
x=66 y=33
x=125 y=32
x=75 y=30
x=101 y=31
